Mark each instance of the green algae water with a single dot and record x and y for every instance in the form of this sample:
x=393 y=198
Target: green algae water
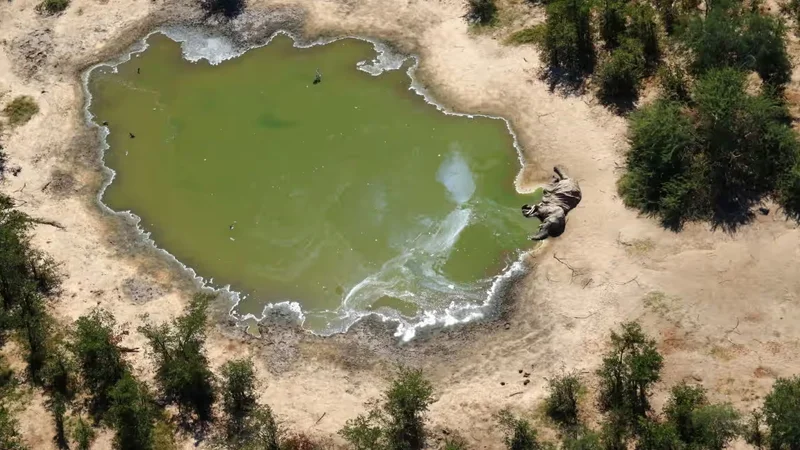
x=340 y=198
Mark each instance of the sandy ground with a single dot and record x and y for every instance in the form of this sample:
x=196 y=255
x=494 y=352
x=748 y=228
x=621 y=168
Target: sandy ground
x=723 y=307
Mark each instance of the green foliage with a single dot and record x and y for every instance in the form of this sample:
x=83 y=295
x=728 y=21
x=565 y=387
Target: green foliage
x=613 y=22
x=628 y=372
x=398 y=422
x=567 y=44
x=182 y=369
x=164 y=436
x=782 y=414
x=683 y=401
x=561 y=405
x=788 y=194
x=20 y=110
x=730 y=36
x=481 y=12
x=519 y=433
x=716 y=426
x=620 y=74
x=83 y=434
x=455 y=444
x=263 y=432
x=239 y=398
x=712 y=162
x=58 y=408
x=644 y=30
x=302 y=442
x=10 y=438
x=614 y=432
x=99 y=359
x=674 y=83
x=583 y=439
x=532 y=35
x=658 y=436
x=226 y=8
x=132 y=414
x=52 y=6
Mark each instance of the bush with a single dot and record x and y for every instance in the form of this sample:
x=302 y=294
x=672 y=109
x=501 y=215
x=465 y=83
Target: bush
x=680 y=407
x=782 y=414
x=182 y=370
x=584 y=439
x=729 y=36
x=83 y=434
x=567 y=44
x=398 y=422
x=753 y=431
x=99 y=359
x=712 y=162
x=658 y=436
x=716 y=426
x=620 y=74
x=532 y=35
x=612 y=22
x=227 y=8
x=20 y=110
x=132 y=414
x=481 y=12
x=10 y=438
x=239 y=398
x=519 y=433
x=629 y=370
x=644 y=30
x=674 y=83
x=52 y=6
x=561 y=405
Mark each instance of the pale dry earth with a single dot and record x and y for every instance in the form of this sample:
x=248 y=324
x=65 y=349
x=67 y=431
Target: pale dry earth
x=724 y=307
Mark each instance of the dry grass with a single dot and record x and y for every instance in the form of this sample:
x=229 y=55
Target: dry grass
x=20 y=110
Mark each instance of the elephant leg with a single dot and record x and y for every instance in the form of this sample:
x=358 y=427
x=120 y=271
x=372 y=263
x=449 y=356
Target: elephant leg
x=541 y=235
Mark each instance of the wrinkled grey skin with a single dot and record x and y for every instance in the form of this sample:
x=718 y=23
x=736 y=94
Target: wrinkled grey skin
x=560 y=197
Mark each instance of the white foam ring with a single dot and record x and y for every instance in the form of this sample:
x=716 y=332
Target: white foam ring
x=197 y=45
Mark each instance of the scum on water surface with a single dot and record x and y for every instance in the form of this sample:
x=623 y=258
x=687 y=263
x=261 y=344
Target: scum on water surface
x=457 y=200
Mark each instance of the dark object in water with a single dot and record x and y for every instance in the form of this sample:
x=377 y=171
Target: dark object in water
x=132 y=135
x=138 y=70
x=105 y=123
x=318 y=77
x=763 y=210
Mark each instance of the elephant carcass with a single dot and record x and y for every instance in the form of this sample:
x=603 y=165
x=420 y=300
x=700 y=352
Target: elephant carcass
x=560 y=197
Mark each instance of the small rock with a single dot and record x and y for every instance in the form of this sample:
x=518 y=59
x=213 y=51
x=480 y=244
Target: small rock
x=526 y=375
x=502 y=383
x=525 y=383
x=520 y=370
x=507 y=325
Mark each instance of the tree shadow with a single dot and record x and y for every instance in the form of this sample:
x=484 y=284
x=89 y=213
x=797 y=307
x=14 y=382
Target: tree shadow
x=566 y=83
x=621 y=104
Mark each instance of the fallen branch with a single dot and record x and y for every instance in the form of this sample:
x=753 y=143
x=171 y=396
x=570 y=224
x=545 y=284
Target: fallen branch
x=564 y=263
x=320 y=418
x=52 y=223
x=128 y=349
x=23 y=187
x=515 y=393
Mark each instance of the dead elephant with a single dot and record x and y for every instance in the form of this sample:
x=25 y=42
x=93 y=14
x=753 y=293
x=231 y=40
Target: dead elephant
x=560 y=197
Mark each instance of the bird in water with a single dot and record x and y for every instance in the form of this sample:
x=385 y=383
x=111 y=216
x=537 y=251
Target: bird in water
x=318 y=77
x=232 y=225
x=131 y=134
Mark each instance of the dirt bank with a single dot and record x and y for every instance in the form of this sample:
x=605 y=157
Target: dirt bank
x=724 y=307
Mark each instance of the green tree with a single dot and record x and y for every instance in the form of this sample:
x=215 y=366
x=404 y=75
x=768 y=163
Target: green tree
x=674 y=83
x=716 y=425
x=620 y=74
x=481 y=12
x=57 y=406
x=10 y=438
x=613 y=22
x=132 y=414
x=83 y=434
x=567 y=43
x=98 y=357
x=519 y=433
x=628 y=372
x=561 y=404
x=658 y=436
x=644 y=30
x=182 y=369
x=398 y=422
x=583 y=439
x=782 y=414
x=239 y=398
x=263 y=431
x=753 y=431
x=684 y=400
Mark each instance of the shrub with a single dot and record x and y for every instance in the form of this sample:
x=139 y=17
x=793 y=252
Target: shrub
x=132 y=414
x=532 y=35
x=753 y=431
x=628 y=371
x=561 y=405
x=481 y=12
x=455 y=444
x=10 y=438
x=612 y=22
x=644 y=30
x=227 y=8
x=302 y=442
x=182 y=370
x=715 y=426
x=519 y=433
x=658 y=436
x=239 y=398
x=674 y=83
x=99 y=359
x=83 y=434
x=583 y=439
x=398 y=422
x=620 y=74
x=20 y=110
x=52 y=6
x=782 y=413
x=567 y=44
x=683 y=401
